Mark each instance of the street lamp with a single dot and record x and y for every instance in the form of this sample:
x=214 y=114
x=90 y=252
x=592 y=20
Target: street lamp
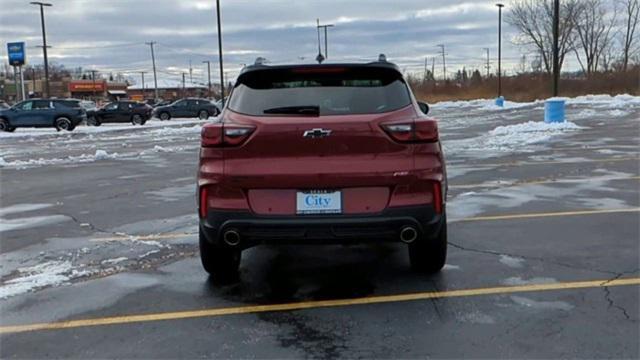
x=220 y=52
x=44 y=45
x=326 y=50
x=500 y=6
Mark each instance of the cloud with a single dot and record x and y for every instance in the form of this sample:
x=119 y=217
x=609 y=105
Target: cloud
x=111 y=35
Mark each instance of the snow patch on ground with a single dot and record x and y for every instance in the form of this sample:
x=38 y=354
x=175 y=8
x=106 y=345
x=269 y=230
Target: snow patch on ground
x=517 y=281
x=84 y=158
x=542 y=305
x=50 y=273
x=511 y=261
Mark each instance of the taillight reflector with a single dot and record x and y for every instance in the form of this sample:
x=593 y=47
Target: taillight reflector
x=203 y=202
x=437 y=197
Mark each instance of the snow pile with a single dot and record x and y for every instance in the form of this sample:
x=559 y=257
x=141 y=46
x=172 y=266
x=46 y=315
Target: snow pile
x=607 y=101
x=618 y=113
x=618 y=101
x=532 y=132
x=84 y=158
x=49 y=273
x=510 y=138
x=483 y=104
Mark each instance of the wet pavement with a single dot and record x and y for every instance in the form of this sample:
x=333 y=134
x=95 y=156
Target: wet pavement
x=543 y=262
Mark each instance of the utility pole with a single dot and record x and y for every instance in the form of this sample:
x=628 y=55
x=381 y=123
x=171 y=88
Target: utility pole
x=424 y=77
x=184 y=91
x=326 y=50
x=220 y=52
x=33 y=79
x=190 y=72
x=444 y=63
x=488 y=66
x=208 y=75
x=433 y=67
x=143 y=89
x=556 y=57
x=93 y=78
x=44 y=46
x=500 y=6
x=155 y=77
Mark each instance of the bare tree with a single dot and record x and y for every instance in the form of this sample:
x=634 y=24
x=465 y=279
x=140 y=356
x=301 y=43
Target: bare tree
x=594 y=33
x=631 y=16
x=534 y=20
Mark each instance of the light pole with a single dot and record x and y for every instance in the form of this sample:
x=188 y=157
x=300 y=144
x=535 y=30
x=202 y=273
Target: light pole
x=143 y=89
x=556 y=57
x=320 y=57
x=208 y=75
x=44 y=45
x=500 y=6
x=220 y=52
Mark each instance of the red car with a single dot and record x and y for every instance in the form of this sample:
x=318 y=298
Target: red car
x=339 y=153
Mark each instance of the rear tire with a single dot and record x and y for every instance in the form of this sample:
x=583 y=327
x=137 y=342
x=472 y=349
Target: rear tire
x=429 y=255
x=164 y=116
x=63 y=123
x=136 y=119
x=94 y=121
x=203 y=115
x=220 y=262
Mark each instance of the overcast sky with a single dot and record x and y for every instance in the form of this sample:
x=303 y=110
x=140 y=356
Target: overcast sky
x=109 y=35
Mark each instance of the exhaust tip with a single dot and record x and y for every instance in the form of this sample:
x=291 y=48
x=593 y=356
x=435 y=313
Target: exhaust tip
x=408 y=234
x=231 y=237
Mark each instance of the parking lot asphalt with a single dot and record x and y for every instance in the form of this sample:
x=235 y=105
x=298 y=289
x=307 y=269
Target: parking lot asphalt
x=99 y=253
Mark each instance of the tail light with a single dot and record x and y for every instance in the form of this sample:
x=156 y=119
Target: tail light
x=203 y=202
x=418 y=131
x=221 y=135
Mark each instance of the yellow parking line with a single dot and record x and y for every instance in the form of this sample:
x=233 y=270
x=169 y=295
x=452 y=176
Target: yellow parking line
x=547 y=214
x=252 y=309
x=540 y=181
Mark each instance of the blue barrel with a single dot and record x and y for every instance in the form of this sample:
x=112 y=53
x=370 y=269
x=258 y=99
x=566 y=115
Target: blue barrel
x=554 y=111
x=500 y=101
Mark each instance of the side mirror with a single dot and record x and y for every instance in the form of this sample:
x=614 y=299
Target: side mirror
x=423 y=107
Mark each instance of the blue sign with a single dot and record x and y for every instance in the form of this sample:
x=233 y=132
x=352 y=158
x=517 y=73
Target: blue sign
x=16 y=53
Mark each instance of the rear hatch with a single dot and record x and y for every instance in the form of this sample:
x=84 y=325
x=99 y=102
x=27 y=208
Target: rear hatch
x=317 y=136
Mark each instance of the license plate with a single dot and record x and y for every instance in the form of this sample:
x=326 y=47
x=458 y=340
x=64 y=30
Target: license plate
x=319 y=202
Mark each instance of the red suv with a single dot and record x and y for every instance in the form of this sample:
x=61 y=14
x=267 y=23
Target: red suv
x=339 y=153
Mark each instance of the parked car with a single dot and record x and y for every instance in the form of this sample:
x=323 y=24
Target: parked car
x=184 y=108
x=121 y=112
x=339 y=153
x=58 y=113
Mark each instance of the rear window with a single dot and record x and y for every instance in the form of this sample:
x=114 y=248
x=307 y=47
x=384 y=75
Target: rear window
x=333 y=90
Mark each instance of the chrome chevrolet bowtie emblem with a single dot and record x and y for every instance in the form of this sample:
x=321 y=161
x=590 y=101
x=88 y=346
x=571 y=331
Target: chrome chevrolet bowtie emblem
x=316 y=133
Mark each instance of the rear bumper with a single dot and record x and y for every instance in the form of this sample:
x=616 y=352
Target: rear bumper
x=312 y=229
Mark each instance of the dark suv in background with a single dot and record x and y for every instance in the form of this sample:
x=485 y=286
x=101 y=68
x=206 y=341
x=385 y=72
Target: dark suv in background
x=57 y=113
x=185 y=108
x=121 y=112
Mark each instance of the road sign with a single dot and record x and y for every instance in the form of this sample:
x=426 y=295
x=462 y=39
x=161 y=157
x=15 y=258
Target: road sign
x=16 y=51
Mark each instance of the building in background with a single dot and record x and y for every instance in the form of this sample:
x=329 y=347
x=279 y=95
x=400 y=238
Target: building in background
x=168 y=90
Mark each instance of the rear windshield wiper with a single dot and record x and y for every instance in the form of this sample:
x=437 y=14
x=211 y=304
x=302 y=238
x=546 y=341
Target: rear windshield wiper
x=313 y=110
